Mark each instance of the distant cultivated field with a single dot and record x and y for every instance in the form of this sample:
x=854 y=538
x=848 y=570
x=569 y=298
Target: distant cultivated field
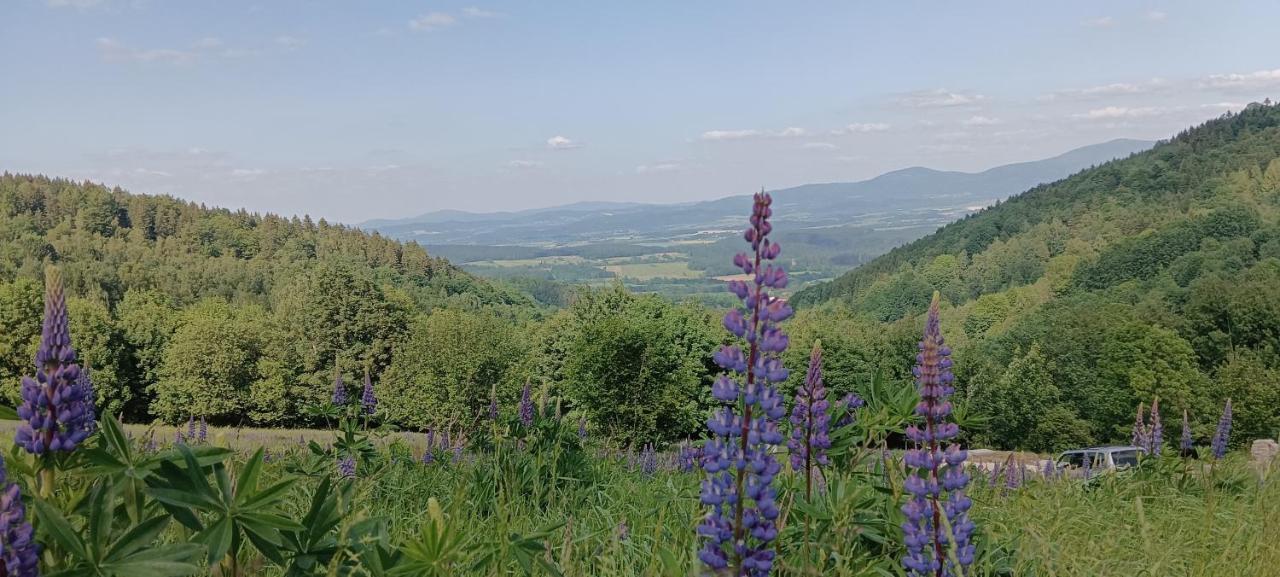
x=653 y=270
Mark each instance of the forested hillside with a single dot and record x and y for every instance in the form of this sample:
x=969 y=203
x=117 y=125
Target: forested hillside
x=1155 y=275
x=181 y=309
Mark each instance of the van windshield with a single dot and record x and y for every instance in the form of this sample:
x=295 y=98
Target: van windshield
x=1125 y=458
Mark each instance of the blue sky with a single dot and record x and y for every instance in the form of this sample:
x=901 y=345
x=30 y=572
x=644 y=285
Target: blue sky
x=355 y=110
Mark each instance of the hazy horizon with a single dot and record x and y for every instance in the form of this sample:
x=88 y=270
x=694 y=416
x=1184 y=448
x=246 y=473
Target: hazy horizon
x=359 y=112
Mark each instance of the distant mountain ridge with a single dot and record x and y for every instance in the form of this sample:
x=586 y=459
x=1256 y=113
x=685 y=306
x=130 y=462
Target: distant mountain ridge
x=911 y=195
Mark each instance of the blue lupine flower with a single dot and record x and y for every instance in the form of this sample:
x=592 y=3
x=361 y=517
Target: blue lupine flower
x=690 y=454
x=368 y=401
x=339 y=390
x=57 y=415
x=810 y=422
x=18 y=551
x=1156 y=438
x=493 y=408
x=1223 y=434
x=203 y=435
x=525 y=409
x=191 y=427
x=1186 y=435
x=347 y=468
x=851 y=402
x=582 y=429
x=740 y=466
x=937 y=479
x=1088 y=465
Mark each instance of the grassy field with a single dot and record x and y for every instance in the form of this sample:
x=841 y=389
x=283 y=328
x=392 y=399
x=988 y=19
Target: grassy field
x=602 y=515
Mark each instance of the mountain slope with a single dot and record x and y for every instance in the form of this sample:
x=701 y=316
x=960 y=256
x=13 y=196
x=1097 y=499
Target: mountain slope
x=1155 y=276
x=904 y=192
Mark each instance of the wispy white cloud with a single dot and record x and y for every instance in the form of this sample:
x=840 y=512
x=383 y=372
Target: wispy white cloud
x=743 y=134
x=290 y=42
x=1120 y=112
x=1100 y=22
x=562 y=143
x=524 y=164
x=1156 y=16
x=1109 y=90
x=819 y=146
x=207 y=43
x=432 y=21
x=113 y=50
x=979 y=120
x=730 y=134
x=940 y=98
x=78 y=4
x=659 y=167
x=1251 y=80
x=474 y=12
x=861 y=128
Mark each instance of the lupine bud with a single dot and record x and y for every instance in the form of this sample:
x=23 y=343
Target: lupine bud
x=57 y=412
x=18 y=549
x=936 y=485
x=347 y=468
x=740 y=466
x=368 y=401
x=1222 y=435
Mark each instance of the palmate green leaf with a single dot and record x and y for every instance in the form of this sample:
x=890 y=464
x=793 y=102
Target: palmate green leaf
x=264 y=498
x=53 y=524
x=176 y=560
x=136 y=538
x=217 y=538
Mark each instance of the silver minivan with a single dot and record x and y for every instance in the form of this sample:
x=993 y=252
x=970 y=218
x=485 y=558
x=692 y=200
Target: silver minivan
x=1113 y=457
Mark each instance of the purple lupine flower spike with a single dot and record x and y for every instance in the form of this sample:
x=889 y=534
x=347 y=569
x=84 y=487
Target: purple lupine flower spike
x=1186 y=435
x=1088 y=465
x=648 y=460
x=1140 y=437
x=850 y=402
x=689 y=456
x=1222 y=435
x=203 y=434
x=339 y=390
x=493 y=408
x=347 y=468
x=90 y=396
x=810 y=422
x=740 y=466
x=191 y=427
x=56 y=414
x=368 y=401
x=1156 y=438
x=582 y=429
x=525 y=409
x=18 y=549
x=937 y=478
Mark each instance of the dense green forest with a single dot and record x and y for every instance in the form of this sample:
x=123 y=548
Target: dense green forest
x=1155 y=275
x=180 y=309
